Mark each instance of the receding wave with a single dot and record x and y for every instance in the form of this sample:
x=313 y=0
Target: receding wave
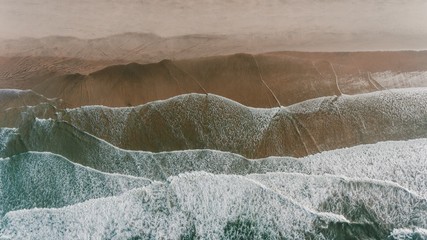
x=382 y=158
x=212 y=122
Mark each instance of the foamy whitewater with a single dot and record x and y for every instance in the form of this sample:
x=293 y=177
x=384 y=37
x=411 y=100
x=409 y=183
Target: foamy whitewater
x=58 y=181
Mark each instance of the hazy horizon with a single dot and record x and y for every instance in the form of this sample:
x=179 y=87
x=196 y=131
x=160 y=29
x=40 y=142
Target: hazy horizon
x=100 y=18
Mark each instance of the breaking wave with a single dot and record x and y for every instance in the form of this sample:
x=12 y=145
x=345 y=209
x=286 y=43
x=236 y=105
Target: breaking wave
x=66 y=173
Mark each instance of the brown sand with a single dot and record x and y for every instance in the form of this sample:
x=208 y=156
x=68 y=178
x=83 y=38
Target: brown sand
x=265 y=80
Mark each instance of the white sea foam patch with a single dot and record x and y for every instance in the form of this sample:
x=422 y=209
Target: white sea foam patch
x=215 y=121
x=225 y=206
x=5 y=134
x=37 y=180
x=356 y=199
x=403 y=162
x=409 y=234
x=195 y=121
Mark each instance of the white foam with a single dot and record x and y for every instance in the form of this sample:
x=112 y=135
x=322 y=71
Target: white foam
x=207 y=204
x=33 y=179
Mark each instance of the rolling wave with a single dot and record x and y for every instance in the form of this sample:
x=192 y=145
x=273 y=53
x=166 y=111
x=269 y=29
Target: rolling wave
x=201 y=205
